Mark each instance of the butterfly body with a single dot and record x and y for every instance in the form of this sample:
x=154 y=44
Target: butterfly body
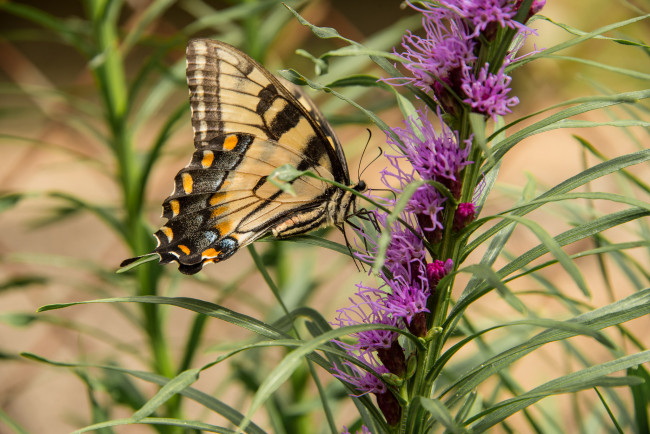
x=246 y=124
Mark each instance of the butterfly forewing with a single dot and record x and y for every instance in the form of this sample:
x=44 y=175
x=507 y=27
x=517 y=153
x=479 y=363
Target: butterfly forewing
x=246 y=124
x=231 y=93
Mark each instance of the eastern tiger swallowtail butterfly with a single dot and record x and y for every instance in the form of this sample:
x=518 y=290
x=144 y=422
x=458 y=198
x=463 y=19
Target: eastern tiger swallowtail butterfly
x=246 y=124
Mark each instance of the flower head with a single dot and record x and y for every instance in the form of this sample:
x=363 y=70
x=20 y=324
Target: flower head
x=435 y=156
x=535 y=7
x=366 y=310
x=488 y=93
x=486 y=16
x=362 y=380
x=437 y=270
x=465 y=214
x=441 y=54
x=427 y=203
x=406 y=299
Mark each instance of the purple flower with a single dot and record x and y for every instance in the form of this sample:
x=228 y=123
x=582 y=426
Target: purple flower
x=427 y=203
x=441 y=54
x=535 y=7
x=488 y=93
x=437 y=270
x=366 y=311
x=405 y=255
x=407 y=299
x=362 y=380
x=486 y=16
x=465 y=214
x=435 y=156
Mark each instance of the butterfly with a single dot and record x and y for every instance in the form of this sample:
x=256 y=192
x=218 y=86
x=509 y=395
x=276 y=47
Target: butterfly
x=246 y=124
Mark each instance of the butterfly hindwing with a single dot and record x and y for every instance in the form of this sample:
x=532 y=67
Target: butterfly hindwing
x=246 y=124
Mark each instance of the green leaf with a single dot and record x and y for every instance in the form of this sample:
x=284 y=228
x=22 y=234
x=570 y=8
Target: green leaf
x=283 y=176
x=360 y=80
x=641 y=396
x=583 y=379
x=595 y=172
x=10 y=200
x=177 y=384
x=486 y=273
x=142 y=20
x=291 y=362
x=195 y=305
x=11 y=424
x=134 y=262
x=60 y=27
x=555 y=120
x=634 y=306
x=181 y=423
x=22 y=282
x=440 y=413
x=625 y=72
x=206 y=400
x=475 y=289
x=321 y=32
x=583 y=37
x=568 y=326
x=554 y=248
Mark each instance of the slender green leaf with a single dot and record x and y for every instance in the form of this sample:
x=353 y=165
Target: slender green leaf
x=584 y=379
x=181 y=423
x=595 y=172
x=634 y=306
x=583 y=37
x=555 y=120
x=195 y=305
x=439 y=412
x=208 y=401
x=181 y=382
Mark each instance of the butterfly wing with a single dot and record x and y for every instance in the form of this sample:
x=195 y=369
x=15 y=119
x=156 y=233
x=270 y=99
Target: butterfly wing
x=246 y=124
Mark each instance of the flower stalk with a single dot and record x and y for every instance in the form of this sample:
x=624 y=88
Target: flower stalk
x=437 y=162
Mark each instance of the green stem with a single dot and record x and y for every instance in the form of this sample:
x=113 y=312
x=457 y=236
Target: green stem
x=108 y=68
x=439 y=304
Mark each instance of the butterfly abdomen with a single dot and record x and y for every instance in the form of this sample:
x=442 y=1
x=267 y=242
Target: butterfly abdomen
x=335 y=211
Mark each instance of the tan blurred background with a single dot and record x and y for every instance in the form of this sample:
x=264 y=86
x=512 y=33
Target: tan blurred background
x=52 y=400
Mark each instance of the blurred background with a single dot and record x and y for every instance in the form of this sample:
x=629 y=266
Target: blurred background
x=69 y=214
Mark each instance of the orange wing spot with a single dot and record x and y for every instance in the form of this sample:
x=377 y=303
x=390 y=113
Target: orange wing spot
x=184 y=248
x=224 y=227
x=218 y=211
x=188 y=183
x=208 y=158
x=167 y=231
x=175 y=206
x=210 y=253
x=230 y=143
x=216 y=198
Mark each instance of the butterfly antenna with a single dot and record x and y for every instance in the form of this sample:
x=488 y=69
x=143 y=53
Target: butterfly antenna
x=381 y=152
x=365 y=148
